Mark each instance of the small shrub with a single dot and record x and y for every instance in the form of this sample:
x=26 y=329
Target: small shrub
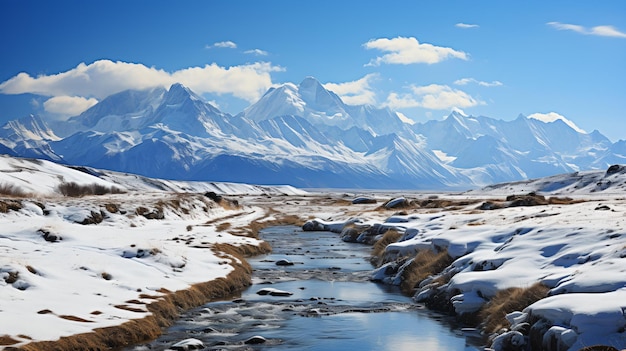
x=10 y=205
x=11 y=190
x=73 y=189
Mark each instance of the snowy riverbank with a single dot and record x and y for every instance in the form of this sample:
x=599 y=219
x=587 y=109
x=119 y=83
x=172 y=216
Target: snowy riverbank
x=72 y=265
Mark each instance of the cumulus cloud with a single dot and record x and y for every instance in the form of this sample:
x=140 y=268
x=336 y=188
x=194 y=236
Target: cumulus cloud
x=605 y=31
x=433 y=97
x=405 y=51
x=358 y=92
x=67 y=106
x=465 y=81
x=223 y=44
x=552 y=117
x=103 y=78
x=466 y=26
x=257 y=52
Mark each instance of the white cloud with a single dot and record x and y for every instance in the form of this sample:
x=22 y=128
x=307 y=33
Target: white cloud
x=466 y=26
x=465 y=81
x=247 y=82
x=552 y=117
x=406 y=51
x=223 y=44
x=433 y=97
x=257 y=52
x=67 y=106
x=605 y=31
x=358 y=92
x=103 y=78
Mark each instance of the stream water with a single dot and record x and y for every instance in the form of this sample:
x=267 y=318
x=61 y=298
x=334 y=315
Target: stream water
x=329 y=304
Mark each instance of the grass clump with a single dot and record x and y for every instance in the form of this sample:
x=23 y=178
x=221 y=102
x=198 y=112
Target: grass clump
x=11 y=190
x=391 y=236
x=493 y=314
x=423 y=265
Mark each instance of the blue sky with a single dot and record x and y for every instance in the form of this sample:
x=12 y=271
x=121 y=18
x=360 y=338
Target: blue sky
x=421 y=58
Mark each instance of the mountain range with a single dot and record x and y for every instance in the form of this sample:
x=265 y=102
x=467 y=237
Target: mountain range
x=306 y=136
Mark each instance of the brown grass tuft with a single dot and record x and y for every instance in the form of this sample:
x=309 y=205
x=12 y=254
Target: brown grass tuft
x=425 y=264
x=12 y=190
x=554 y=200
x=391 y=236
x=130 y=308
x=509 y=300
x=6 y=340
x=223 y=226
x=75 y=319
x=10 y=205
x=253 y=228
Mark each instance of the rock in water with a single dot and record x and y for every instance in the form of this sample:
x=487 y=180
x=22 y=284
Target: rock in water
x=188 y=344
x=273 y=292
x=284 y=262
x=255 y=340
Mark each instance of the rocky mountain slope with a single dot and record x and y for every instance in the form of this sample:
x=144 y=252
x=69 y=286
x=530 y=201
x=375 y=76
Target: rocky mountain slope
x=304 y=135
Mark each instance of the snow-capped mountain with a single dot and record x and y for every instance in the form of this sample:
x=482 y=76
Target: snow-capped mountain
x=304 y=135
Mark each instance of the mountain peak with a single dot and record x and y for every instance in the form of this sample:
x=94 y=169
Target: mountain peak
x=317 y=97
x=179 y=93
x=30 y=127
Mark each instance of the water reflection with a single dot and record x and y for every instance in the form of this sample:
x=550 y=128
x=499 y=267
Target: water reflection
x=333 y=305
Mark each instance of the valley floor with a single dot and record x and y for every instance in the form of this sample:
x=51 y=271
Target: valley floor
x=114 y=269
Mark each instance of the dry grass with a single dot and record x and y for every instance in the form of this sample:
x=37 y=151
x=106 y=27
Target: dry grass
x=563 y=201
x=253 y=228
x=223 y=226
x=75 y=319
x=391 y=236
x=6 y=340
x=165 y=310
x=12 y=190
x=342 y=202
x=10 y=205
x=425 y=264
x=130 y=308
x=242 y=250
x=507 y=301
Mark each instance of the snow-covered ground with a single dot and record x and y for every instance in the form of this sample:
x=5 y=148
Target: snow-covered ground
x=59 y=277
x=578 y=250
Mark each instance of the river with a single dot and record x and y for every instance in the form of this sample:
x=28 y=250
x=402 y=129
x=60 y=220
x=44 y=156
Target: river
x=321 y=299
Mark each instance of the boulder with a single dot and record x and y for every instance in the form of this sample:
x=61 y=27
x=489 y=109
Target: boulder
x=188 y=344
x=284 y=262
x=314 y=226
x=255 y=340
x=399 y=202
x=273 y=292
x=615 y=169
x=363 y=200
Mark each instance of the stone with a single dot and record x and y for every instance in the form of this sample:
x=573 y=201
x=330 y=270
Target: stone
x=255 y=340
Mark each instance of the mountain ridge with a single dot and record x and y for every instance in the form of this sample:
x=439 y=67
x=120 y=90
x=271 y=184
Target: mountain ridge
x=305 y=136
